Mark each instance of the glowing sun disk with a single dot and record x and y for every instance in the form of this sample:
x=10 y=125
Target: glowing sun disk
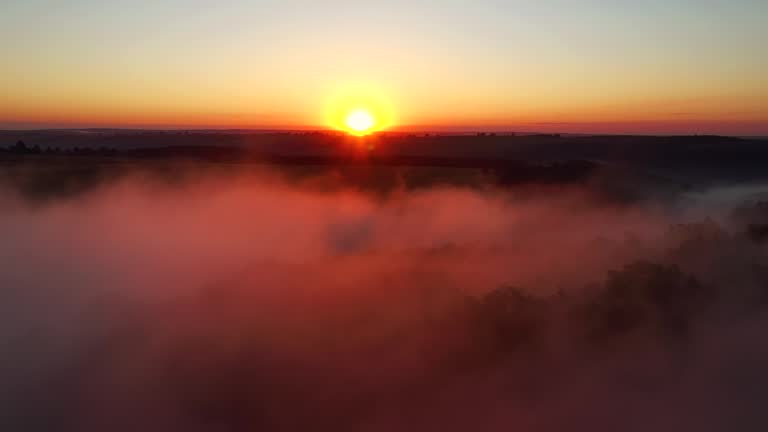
x=359 y=110
x=360 y=121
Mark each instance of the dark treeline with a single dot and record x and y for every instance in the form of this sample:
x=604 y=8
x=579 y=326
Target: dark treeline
x=619 y=167
x=21 y=148
x=636 y=149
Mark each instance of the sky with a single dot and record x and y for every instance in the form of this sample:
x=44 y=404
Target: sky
x=644 y=66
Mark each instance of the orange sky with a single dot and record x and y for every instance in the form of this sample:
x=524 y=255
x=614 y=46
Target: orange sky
x=679 y=67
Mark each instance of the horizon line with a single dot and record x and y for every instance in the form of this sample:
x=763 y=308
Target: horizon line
x=458 y=131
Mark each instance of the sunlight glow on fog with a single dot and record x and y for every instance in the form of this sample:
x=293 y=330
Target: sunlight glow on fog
x=267 y=303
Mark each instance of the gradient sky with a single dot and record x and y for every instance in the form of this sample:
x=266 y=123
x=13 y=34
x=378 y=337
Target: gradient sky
x=644 y=66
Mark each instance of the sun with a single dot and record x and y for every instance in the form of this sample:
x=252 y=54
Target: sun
x=360 y=121
x=359 y=110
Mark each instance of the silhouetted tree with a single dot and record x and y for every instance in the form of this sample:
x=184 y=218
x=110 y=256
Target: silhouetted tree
x=20 y=147
x=646 y=297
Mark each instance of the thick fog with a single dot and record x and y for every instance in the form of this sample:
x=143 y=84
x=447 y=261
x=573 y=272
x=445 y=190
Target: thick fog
x=254 y=302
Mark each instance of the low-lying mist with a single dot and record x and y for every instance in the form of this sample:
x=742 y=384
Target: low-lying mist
x=253 y=301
